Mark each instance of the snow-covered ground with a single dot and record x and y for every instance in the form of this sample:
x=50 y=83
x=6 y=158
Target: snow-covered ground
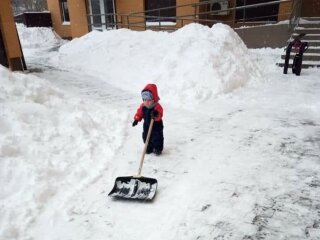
x=242 y=140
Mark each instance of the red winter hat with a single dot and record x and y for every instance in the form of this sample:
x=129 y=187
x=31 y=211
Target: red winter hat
x=154 y=91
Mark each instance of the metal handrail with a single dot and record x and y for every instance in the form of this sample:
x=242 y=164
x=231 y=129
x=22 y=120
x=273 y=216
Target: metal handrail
x=190 y=17
x=295 y=15
x=216 y=11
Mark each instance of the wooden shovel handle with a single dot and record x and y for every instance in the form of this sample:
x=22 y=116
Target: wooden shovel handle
x=145 y=147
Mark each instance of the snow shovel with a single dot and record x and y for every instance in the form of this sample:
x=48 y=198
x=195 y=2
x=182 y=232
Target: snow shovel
x=136 y=187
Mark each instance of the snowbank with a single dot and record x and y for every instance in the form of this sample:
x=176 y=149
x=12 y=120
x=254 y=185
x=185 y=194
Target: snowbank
x=50 y=144
x=37 y=37
x=191 y=65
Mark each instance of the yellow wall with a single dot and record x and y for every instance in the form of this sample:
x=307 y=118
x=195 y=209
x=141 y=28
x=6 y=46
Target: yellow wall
x=78 y=25
x=124 y=7
x=78 y=17
x=185 y=12
x=284 y=11
x=63 y=29
x=10 y=37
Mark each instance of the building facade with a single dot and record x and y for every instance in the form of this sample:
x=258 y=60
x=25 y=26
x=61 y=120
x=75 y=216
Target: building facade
x=74 y=18
x=11 y=54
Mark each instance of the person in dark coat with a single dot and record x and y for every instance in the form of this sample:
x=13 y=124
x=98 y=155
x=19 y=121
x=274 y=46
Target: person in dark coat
x=299 y=48
x=151 y=108
x=297 y=43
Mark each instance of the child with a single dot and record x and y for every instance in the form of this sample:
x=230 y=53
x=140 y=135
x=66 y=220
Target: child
x=150 y=108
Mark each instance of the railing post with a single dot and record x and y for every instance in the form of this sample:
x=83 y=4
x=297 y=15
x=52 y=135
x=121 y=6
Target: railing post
x=128 y=22
x=195 y=15
x=295 y=15
x=159 y=19
x=244 y=13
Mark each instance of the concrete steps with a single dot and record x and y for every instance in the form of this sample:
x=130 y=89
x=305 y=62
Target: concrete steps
x=310 y=64
x=306 y=56
x=307 y=30
x=309 y=36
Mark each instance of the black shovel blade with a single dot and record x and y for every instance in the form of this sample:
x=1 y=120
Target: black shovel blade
x=130 y=187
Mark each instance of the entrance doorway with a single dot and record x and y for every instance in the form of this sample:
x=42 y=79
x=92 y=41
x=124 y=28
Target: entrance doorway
x=101 y=14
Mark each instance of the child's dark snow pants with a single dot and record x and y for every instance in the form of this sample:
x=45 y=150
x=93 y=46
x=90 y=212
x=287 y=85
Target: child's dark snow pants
x=156 y=138
x=155 y=142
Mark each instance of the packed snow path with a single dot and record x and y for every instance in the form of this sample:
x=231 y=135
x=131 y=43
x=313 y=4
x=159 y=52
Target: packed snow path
x=219 y=177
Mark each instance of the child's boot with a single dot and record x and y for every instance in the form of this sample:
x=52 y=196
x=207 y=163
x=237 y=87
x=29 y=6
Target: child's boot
x=149 y=149
x=157 y=152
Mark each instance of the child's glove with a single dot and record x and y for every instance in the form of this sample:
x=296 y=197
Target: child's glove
x=135 y=122
x=154 y=113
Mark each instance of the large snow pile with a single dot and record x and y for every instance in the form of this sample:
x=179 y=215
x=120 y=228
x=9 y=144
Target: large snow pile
x=37 y=37
x=49 y=142
x=193 y=64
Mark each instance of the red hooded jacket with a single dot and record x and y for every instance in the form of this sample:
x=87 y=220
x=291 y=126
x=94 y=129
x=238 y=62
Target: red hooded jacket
x=153 y=89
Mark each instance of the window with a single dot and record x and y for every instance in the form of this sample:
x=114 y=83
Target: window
x=162 y=15
x=64 y=11
x=101 y=15
x=267 y=13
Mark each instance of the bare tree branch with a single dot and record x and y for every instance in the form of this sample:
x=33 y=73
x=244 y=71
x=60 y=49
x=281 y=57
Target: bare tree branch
x=20 y=6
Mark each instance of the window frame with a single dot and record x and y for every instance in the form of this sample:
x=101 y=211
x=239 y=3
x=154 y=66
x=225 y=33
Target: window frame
x=64 y=9
x=106 y=17
x=155 y=4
